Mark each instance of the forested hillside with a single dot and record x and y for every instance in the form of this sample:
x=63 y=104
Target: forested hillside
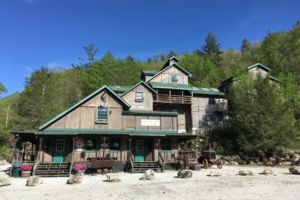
x=50 y=91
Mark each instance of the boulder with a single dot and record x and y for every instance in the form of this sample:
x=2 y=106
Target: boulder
x=5 y=166
x=215 y=173
x=113 y=178
x=286 y=163
x=4 y=181
x=234 y=163
x=246 y=173
x=4 y=174
x=34 y=181
x=184 y=173
x=267 y=171
x=149 y=175
x=294 y=170
x=77 y=178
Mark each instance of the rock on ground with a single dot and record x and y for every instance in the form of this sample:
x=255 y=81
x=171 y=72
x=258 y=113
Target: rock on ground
x=77 y=178
x=215 y=173
x=184 y=173
x=34 y=181
x=246 y=173
x=4 y=181
x=149 y=175
x=113 y=178
x=294 y=170
x=267 y=171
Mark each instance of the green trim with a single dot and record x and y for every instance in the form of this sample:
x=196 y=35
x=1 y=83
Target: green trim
x=207 y=91
x=165 y=68
x=81 y=102
x=141 y=82
x=99 y=121
x=258 y=64
x=149 y=113
x=139 y=100
x=171 y=86
x=54 y=131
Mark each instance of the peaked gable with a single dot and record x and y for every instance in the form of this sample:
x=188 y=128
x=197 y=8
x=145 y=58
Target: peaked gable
x=85 y=100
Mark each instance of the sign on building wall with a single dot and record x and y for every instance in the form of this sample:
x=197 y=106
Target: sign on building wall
x=150 y=122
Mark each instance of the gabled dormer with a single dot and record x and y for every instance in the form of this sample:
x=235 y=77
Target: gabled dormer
x=171 y=73
x=258 y=69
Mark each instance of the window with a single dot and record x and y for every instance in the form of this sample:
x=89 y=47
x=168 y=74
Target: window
x=139 y=97
x=48 y=145
x=115 y=145
x=91 y=144
x=60 y=145
x=166 y=145
x=211 y=118
x=211 y=101
x=102 y=116
x=174 y=78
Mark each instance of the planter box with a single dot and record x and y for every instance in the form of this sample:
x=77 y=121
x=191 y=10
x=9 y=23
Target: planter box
x=26 y=173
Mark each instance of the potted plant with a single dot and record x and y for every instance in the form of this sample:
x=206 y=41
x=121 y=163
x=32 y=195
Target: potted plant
x=80 y=167
x=26 y=170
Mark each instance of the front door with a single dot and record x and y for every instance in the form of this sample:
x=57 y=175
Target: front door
x=59 y=153
x=139 y=151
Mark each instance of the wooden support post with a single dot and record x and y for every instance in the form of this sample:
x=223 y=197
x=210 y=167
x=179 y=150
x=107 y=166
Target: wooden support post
x=129 y=148
x=170 y=94
x=104 y=139
x=40 y=147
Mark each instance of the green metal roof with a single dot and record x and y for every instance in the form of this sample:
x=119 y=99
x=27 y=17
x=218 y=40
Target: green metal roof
x=140 y=83
x=207 y=91
x=165 y=68
x=119 y=89
x=83 y=101
x=102 y=132
x=258 y=64
x=149 y=113
x=171 y=86
x=149 y=73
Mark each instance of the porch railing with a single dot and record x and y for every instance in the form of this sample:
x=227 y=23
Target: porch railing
x=165 y=98
x=27 y=156
x=161 y=160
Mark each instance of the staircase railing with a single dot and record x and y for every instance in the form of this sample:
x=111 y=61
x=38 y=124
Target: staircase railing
x=130 y=156
x=36 y=162
x=161 y=160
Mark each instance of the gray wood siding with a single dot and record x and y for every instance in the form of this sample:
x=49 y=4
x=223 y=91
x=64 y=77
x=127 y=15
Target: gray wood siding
x=165 y=77
x=84 y=116
x=146 y=104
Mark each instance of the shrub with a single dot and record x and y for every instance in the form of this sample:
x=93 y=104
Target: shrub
x=25 y=168
x=80 y=166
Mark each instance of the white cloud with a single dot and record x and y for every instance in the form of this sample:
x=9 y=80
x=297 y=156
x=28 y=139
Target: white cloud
x=28 y=68
x=30 y=1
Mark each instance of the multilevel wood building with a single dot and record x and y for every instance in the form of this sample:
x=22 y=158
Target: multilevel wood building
x=138 y=127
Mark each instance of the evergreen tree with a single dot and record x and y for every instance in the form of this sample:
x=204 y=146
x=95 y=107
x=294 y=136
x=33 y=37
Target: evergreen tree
x=211 y=48
x=2 y=88
x=261 y=117
x=246 y=46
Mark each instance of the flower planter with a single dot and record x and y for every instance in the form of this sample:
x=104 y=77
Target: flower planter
x=26 y=173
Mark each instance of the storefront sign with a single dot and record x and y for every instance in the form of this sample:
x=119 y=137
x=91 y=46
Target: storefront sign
x=150 y=122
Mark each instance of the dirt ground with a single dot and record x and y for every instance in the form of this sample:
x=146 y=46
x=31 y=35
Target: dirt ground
x=280 y=185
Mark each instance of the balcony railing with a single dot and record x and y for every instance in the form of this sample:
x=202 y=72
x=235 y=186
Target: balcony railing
x=179 y=99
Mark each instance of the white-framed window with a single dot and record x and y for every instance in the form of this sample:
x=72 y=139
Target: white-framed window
x=139 y=97
x=102 y=114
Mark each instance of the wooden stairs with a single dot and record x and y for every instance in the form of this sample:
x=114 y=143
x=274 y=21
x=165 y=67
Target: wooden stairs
x=140 y=167
x=53 y=169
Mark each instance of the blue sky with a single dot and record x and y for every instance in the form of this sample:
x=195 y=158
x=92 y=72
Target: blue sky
x=37 y=33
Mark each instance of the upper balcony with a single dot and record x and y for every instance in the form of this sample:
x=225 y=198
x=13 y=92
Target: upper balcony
x=172 y=99
x=169 y=93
